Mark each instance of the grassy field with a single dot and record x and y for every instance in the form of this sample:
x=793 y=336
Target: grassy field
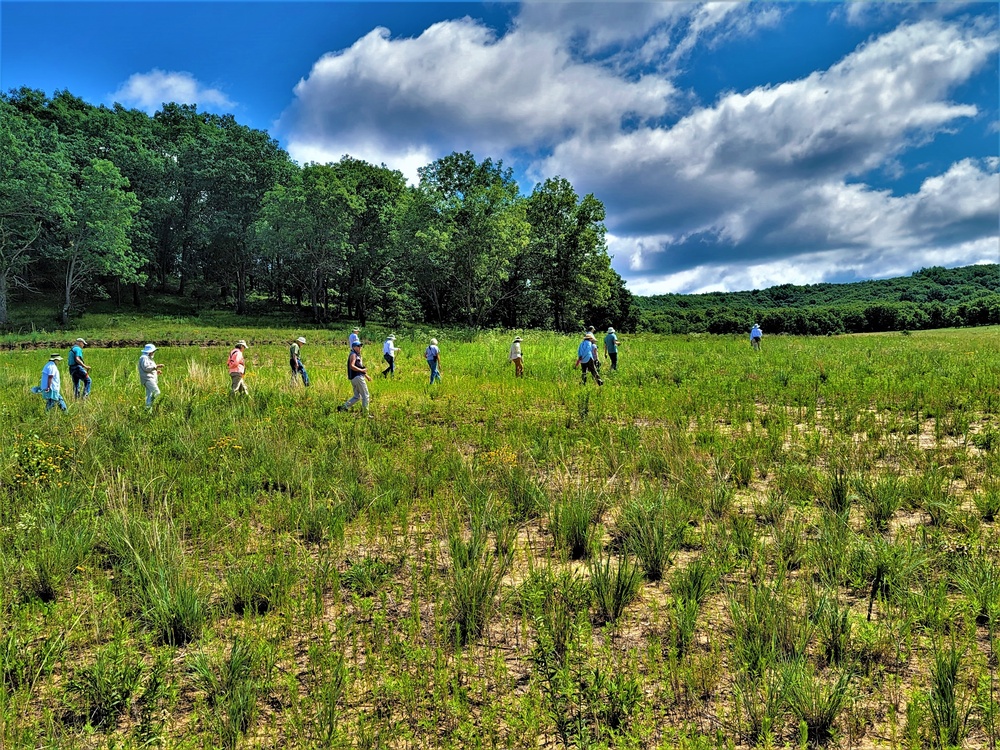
x=719 y=548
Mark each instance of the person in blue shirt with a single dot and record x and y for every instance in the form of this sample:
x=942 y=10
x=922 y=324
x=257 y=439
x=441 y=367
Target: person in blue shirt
x=586 y=359
x=755 y=336
x=354 y=337
x=78 y=370
x=611 y=345
x=433 y=357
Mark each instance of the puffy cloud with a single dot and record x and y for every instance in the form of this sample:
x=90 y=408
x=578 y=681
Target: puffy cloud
x=761 y=174
x=458 y=86
x=149 y=91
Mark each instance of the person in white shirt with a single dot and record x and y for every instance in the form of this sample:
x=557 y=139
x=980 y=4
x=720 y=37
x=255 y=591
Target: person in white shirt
x=433 y=356
x=149 y=373
x=515 y=357
x=389 y=355
x=49 y=386
x=355 y=337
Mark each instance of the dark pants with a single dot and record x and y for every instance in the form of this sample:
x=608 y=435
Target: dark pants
x=391 y=369
x=80 y=377
x=590 y=367
x=613 y=356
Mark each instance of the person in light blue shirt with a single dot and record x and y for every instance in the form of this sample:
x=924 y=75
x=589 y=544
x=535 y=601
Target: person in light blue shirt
x=755 y=336
x=49 y=385
x=433 y=357
x=78 y=369
x=586 y=360
x=611 y=347
x=355 y=337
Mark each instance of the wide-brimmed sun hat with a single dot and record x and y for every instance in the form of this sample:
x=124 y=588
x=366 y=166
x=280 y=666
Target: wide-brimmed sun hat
x=591 y=329
x=149 y=348
x=82 y=341
x=54 y=357
x=590 y=337
x=300 y=340
x=355 y=330
x=242 y=343
x=611 y=330
x=516 y=339
x=434 y=342
x=392 y=337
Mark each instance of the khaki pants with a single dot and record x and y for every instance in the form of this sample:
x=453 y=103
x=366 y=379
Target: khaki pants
x=238 y=385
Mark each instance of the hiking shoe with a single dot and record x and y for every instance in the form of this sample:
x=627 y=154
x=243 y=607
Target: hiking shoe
x=341 y=408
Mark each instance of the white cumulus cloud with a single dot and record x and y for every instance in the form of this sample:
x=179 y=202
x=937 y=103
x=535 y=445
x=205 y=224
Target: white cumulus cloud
x=149 y=91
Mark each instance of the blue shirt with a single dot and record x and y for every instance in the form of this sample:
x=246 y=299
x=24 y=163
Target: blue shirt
x=432 y=353
x=611 y=343
x=354 y=339
x=755 y=332
x=586 y=351
x=75 y=356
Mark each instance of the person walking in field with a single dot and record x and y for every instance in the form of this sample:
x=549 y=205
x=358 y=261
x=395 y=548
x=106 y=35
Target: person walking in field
x=237 y=368
x=515 y=357
x=389 y=355
x=359 y=378
x=295 y=362
x=49 y=386
x=355 y=337
x=433 y=356
x=611 y=345
x=78 y=369
x=586 y=356
x=149 y=373
x=755 y=336
x=597 y=360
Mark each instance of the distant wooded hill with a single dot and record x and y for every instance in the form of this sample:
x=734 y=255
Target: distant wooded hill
x=930 y=298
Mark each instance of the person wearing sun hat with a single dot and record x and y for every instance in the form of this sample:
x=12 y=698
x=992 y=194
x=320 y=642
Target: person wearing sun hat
x=755 y=336
x=355 y=337
x=359 y=377
x=389 y=355
x=515 y=357
x=78 y=370
x=586 y=359
x=611 y=345
x=49 y=385
x=433 y=356
x=295 y=362
x=237 y=368
x=149 y=373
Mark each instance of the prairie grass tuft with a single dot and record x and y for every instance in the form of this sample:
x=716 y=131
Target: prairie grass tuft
x=652 y=531
x=104 y=689
x=615 y=586
x=949 y=711
x=815 y=701
x=573 y=522
x=233 y=686
x=256 y=587
x=475 y=578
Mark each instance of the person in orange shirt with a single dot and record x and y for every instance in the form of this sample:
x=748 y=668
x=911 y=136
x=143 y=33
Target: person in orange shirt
x=237 y=368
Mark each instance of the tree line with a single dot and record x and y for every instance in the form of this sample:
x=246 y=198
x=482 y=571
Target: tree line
x=929 y=298
x=98 y=201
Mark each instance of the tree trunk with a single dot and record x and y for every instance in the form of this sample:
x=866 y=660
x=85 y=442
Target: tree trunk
x=136 y=299
x=4 y=290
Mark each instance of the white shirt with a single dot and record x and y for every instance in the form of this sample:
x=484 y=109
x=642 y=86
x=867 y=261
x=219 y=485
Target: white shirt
x=354 y=339
x=147 y=369
x=50 y=369
x=388 y=348
x=515 y=351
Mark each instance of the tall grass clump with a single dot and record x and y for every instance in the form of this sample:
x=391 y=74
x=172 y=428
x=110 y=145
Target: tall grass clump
x=526 y=497
x=156 y=577
x=233 y=686
x=979 y=579
x=880 y=498
x=104 y=689
x=815 y=701
x=256 y=586
x=615 y=586
x=652 y=531
x=949 y=711
x=765 y=627
x=573 y=522
x=474 y=584
x=57 y=543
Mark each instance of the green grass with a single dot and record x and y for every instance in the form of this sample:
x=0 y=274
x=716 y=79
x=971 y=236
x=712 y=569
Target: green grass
x=712 y=547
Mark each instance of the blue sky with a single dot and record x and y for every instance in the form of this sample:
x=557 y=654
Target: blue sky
x=734 y=145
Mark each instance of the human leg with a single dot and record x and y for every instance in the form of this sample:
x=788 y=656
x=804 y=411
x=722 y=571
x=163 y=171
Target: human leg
x=152 y=391
x=614 y=360
x=356 y=385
